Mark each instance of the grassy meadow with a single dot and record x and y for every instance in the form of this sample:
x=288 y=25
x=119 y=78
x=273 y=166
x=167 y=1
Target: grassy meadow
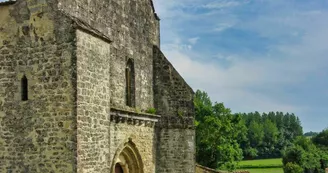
x=262 y=166
x=266 y=170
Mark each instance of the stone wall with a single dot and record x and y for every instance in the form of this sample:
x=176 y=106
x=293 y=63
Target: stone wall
x=75 y=77
x=93 y=100
x=134 y=29
x=173 y=99
x=176 y=149
x=36 y=135
x=172 y=95
x=140 y=130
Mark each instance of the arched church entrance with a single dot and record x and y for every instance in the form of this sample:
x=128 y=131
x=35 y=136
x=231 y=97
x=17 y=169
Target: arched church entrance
x=118 y=168
x=127 y=159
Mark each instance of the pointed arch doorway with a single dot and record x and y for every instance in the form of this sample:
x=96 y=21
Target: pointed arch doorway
x=127 y=159
x=118 y=168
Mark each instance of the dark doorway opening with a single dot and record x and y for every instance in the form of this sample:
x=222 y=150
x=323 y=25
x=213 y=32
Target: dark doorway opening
x=118 y=168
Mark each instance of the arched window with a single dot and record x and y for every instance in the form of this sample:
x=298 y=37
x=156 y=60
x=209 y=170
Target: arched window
x=130 y=83
x=24 y=88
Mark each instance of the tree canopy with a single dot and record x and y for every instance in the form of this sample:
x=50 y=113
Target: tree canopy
x=224 y=138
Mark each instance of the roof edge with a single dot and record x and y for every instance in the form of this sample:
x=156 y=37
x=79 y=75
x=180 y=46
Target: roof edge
x=154 y=11
x=79 y=24
x=152 y=5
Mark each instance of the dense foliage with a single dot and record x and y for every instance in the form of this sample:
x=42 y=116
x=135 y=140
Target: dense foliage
x=217 y=134
x=309 y=154
x=293 y=168
x=269 y=134
x=310 y=134
x=321 y=139
x=224 y=138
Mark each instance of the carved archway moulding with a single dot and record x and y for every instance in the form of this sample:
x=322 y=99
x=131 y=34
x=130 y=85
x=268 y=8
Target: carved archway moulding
x=128 y=158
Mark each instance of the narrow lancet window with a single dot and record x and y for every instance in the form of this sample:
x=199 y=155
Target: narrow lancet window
x=130 y=83
x=24 y=85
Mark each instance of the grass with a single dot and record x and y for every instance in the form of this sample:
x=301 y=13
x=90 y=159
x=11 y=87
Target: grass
x=266 y=170
x=263 y=162
x=262 y=166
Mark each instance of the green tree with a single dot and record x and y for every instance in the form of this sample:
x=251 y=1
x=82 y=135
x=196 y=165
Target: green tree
x=255 y=134
x=217 y=133
x=304 y=154
x=321 y=139
x=311 y=134
x=270 y=132
x=293 y=168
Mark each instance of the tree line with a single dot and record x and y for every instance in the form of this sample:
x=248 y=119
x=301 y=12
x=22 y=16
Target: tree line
x=224 y=138
x=268 y=134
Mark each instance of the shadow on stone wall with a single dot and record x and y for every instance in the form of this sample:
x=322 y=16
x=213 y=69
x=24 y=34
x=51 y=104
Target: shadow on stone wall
x=172 y=95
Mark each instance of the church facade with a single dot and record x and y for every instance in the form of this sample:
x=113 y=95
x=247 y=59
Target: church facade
x=85 y=88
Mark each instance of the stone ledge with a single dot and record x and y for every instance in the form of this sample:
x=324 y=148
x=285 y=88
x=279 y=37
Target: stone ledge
x=133 y=118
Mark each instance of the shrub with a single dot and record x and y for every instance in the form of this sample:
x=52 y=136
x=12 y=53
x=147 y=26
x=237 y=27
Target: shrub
x=293 y=168
x=294 y=155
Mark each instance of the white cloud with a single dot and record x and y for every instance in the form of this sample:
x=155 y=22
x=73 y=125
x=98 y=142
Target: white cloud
x=193 y=41
x=229 y=85
x=253 y=82
x=222 y=26
x=222 y=4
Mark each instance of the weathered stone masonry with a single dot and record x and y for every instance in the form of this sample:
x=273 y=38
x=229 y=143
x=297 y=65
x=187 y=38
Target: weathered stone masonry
x=132 y=27
x=75 y=119
x=93 y=91
x=36 y=135
x=173 y=99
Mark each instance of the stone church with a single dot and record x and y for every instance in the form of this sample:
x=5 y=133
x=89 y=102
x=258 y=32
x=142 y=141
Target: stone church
x=85 y=88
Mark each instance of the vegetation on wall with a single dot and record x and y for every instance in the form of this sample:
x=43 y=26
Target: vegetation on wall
x=151 y=111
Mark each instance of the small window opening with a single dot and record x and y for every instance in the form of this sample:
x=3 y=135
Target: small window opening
x=130 y=83
x=24 y=83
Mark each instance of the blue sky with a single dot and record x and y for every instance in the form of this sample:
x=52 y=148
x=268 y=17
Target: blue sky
x=253 y=55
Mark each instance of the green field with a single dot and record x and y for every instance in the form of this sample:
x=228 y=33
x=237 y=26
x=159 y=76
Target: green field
x=264 y=170
x=263 y=162
x=262 y=166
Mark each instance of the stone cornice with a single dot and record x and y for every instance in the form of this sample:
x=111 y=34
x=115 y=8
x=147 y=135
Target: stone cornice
x=133 y=118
